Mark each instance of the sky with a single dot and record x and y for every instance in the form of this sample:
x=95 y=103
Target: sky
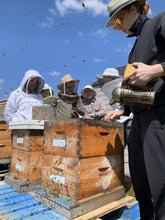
x=59 y=37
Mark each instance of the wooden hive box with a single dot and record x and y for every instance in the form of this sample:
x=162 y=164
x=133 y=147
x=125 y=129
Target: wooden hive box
x=44 y=113
x=27 y=146
x=82 y=157
x=5 y=142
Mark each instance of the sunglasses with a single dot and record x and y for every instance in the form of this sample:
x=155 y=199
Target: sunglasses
x=119 y=20
x=117 y=24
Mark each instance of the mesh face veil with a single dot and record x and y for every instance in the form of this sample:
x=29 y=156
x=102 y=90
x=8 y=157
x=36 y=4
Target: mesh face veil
x=70 y=88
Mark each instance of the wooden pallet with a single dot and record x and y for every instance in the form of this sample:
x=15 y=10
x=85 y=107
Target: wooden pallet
x=15 y=205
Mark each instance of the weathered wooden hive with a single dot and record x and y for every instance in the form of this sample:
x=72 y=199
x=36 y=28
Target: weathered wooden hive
x=27 y=148
x=82 y=157
x=27 y=145
x=82 y=165
x=5 y=136
x=5 y=142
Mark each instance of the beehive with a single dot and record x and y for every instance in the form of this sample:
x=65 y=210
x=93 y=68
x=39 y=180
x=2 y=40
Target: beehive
x=26 y=154
x=27 y=145
x=5 y=142
x=82 y=157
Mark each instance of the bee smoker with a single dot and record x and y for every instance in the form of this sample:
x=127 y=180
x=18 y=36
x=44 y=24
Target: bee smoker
x=128 y=95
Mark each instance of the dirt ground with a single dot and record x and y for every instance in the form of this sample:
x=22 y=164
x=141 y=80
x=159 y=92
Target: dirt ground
x=128 y=186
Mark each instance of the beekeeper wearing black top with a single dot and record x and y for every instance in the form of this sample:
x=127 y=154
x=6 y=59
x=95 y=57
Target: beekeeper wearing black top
x=146 y=143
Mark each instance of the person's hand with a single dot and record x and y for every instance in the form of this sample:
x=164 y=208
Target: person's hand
x=88 y=115
x=144 y=73
x=114 y=115
x=75 y=108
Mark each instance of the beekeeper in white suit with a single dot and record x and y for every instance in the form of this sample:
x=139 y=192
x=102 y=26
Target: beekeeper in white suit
x=20 y=102
x=111 y=79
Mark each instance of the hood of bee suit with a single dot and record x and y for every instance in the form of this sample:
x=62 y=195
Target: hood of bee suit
x=26 y=79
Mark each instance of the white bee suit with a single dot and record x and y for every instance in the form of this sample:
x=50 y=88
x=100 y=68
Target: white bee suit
x=107 y=89
x=20 y=102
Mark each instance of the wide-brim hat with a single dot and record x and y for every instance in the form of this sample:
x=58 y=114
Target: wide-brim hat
x=109 y=72
x=116 y=5
x=88 y=87
x=65 y=79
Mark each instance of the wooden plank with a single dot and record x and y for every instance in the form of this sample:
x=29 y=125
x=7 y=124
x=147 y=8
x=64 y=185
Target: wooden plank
x=1 y=183
x=17 y=207
x=17 y=198
x=3 y=101
x=6 y=190
x=107 y=208
x=2 y=176
x=47 y=215
x=27 y=124
x=5 y=161
x=22 y=214
x=7 y=195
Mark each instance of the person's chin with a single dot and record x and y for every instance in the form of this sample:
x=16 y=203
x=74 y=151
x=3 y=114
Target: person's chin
x=125 y=32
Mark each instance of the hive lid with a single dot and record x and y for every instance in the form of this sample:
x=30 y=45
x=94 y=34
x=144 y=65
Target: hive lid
x=27 y=124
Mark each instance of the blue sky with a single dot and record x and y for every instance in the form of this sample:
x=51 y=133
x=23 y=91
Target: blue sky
x=58 y=37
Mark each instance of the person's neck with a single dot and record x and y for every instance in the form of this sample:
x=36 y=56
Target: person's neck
x=137 y=26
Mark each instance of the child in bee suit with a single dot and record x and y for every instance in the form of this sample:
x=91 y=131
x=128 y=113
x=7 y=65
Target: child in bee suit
x=47 y=93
